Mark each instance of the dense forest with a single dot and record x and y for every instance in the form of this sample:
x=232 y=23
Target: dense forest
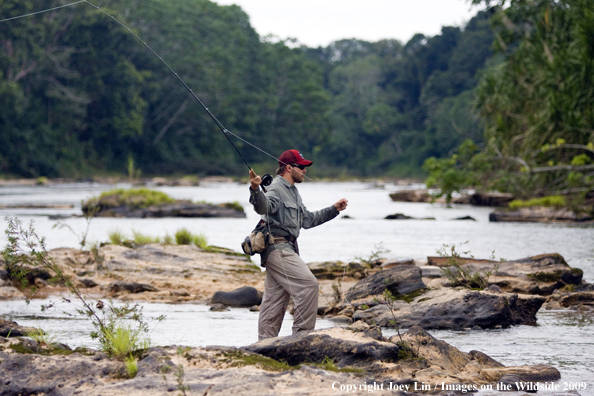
x=504 y=102
x=81 y=96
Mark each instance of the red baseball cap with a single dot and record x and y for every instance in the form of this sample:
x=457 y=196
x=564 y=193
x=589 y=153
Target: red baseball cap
x=292 y=157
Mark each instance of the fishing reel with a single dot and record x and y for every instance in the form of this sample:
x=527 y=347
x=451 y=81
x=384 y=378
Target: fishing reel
x=266 y=181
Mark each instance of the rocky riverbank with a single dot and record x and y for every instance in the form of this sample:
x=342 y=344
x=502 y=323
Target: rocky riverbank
x=154 y=272
x=312 y=363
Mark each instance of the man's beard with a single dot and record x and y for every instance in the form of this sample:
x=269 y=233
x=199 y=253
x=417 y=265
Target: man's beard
x=297 y=176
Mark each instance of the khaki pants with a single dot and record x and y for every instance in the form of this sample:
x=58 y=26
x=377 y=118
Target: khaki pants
x=287 y=275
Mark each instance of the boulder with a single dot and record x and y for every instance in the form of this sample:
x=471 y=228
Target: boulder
x=454 y=309
x=344 y=347
x=393 y=263
x=399 y=280
x=246 y=296
x=541 y=214
x=335 y=269
x=580 y=300
x=12 y=329
x=130 y=287
x=411 y=196
x=490 y=199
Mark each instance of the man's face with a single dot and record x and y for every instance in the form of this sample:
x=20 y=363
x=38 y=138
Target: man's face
x=298 y=174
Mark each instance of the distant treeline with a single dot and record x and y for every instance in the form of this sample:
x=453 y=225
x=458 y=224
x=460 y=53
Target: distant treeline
x=80 y=96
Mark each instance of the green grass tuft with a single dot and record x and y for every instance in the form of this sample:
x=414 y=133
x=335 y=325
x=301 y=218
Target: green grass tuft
x=123 y=341
x=117 y=237
x=131 y=365
x=200 y=241
x=143 y=239
x=42 y=337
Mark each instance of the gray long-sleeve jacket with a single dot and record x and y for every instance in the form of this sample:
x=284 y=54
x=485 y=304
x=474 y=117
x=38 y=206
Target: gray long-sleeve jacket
x=284 y=211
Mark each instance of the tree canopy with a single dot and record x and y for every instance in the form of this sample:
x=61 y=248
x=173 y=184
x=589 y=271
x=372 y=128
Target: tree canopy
x=537 y=104
x=80 y=96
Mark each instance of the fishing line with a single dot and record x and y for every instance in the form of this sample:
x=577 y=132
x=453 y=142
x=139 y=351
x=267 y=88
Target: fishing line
x=41 y=12
x=224 y=130
x=216 y=121
x=273 y=157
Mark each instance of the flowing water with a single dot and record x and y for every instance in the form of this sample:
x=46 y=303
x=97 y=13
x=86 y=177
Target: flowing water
x=564 y=339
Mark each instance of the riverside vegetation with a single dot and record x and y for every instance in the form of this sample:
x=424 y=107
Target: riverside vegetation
x=536 y=105
x=121 y=331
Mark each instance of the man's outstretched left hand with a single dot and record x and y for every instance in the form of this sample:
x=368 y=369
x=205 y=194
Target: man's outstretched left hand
x=341 y=204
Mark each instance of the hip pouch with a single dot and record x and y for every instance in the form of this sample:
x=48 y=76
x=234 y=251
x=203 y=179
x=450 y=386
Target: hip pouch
x=258 y=240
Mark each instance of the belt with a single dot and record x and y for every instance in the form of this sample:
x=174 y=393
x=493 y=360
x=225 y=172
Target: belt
x=288 y=239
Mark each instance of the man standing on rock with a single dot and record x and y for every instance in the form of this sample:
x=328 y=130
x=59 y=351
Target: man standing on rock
x=286 y=273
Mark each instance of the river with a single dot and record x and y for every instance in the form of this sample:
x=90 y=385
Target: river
x=564 y=339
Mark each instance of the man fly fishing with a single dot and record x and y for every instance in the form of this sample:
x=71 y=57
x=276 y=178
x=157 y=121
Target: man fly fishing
x=286 y=273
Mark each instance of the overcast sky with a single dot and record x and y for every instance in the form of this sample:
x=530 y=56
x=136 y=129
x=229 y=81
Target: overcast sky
x=319 y=22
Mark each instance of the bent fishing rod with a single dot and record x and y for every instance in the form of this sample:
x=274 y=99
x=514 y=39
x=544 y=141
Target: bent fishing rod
x=266 y=179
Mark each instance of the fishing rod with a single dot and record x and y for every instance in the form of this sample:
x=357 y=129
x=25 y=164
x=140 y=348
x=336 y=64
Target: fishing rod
x=266 y=179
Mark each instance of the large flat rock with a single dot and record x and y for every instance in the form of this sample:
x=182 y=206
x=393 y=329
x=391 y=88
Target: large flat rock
x=455 y=309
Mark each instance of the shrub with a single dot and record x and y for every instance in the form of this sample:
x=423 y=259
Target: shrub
x=460 y=275
x=183 y=236
x=556 y=201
